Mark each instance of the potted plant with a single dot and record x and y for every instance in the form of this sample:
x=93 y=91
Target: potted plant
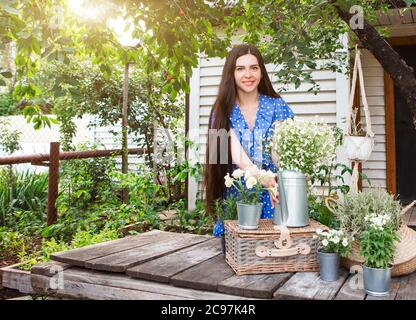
x=226 y=209
x=299 y=148
x=248 y=183
x=333 y=245
x=377 y=247
x=358 y=145
x=353 y=213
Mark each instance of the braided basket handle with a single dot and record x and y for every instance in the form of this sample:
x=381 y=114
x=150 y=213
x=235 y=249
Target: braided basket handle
x=283 y=246
x=358 y=70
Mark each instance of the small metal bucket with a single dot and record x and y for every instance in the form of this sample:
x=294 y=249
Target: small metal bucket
x=293 y=208
x=249 y=215
x=377 y=281
x=328 y=266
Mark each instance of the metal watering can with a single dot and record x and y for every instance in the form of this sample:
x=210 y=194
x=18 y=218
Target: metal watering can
x=293 y=208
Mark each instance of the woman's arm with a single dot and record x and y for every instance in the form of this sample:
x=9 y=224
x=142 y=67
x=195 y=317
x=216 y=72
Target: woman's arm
x=238 y=154
x=243 y=161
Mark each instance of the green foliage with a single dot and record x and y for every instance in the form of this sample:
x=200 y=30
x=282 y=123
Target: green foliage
x=334 y=241
x=226 y=209
x=23 y=200
x=319 y=211
x=7 y=104
x=377 y=247
x=81 y=238
x=143 y=191
x=9 y=138
x=84 y=181
x=10 y=243
x=352 y=212
x=171 y=34
x=196 y=221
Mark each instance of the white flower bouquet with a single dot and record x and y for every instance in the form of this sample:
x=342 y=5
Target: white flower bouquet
x=302 y=146
x=249 y=189
x=334 y=241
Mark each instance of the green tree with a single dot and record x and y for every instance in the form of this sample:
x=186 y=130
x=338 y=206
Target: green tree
x=171 y=33
x=296 y=34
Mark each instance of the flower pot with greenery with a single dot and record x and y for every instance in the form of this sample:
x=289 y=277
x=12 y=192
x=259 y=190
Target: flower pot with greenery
x=377 y=246
x=333 y=244
x=353 y=214
x=299 y=148
x=248 y=183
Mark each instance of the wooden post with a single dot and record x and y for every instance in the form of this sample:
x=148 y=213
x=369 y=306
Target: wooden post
x=124 y=157
x=53 y=182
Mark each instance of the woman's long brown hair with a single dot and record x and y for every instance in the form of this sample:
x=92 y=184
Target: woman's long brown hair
x=226 y=98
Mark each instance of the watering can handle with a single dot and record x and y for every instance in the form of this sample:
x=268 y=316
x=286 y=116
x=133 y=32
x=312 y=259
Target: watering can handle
x=282 y=194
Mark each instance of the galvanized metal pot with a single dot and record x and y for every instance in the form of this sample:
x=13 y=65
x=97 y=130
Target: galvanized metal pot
x=377 y=281
x=328 y=266
x=293 y=208
x=248 y=215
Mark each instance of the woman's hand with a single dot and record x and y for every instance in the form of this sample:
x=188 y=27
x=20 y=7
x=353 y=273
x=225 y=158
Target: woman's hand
x=271 y=185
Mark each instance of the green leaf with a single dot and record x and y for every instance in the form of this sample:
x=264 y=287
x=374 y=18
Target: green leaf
x=7 y=74
x=2 y=83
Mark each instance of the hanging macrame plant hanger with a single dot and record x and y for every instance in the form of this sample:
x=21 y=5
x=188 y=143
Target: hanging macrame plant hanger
x=358 y=148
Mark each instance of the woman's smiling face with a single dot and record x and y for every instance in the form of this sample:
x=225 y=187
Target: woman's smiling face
x=247 y=73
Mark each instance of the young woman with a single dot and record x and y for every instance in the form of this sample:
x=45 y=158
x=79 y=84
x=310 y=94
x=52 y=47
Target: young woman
x=246 y=107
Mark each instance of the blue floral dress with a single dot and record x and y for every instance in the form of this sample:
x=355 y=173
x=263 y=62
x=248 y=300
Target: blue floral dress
x=253 y=142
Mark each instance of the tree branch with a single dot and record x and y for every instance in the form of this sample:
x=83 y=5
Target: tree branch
x=403 y=75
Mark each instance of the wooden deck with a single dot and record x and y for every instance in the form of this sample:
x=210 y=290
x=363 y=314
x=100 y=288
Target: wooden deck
x=164 y=265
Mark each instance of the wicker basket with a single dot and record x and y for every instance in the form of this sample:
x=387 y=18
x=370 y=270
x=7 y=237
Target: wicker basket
x=271 y=249
x=404 y=256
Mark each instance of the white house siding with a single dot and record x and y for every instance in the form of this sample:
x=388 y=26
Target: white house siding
x=204 y=87
x=375 y=167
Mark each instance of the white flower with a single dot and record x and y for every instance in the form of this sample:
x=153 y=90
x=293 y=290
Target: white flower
x=251 y=182
x=228 y=180
x=266 y=175
x=318 y=231
x=325 y=242
x=250 y=172
x=335 y=239
x=345 y=242
x=238 y=173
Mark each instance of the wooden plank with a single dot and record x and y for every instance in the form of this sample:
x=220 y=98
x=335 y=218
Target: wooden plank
x=162 y=269
x=79 y=256
x=352 y=288
x=407 y=289
x=111 y=280
x=308 y=285
x=255 y=286
x=16 y=279
x=49 y=268
x=204 y=276
x=80 y=290
x=121 y=261
x=394 y=288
